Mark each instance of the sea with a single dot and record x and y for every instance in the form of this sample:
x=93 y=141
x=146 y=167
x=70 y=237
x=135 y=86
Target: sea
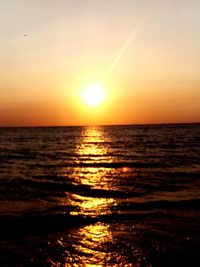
x=100 y=196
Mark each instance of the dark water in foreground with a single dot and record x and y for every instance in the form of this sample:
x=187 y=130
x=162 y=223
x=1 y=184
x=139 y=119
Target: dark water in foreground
x=100 y=196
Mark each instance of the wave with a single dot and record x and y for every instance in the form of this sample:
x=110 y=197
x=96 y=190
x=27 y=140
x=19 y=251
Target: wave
x=14 y=226
x=52 y=187
x=192 y=204
x=59 y=218
x=110 y=165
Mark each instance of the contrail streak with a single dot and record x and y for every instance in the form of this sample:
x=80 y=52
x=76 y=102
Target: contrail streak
x=122 y=50
x=131 y=37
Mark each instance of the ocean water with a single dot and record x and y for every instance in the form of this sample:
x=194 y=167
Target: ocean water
x=100 y=196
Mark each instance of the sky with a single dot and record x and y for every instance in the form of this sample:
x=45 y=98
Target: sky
x=145 y=54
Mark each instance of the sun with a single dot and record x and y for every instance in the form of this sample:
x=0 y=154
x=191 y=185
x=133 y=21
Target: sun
x=93 y=95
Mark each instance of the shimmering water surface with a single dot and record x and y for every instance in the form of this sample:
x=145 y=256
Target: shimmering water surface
x=100 y=196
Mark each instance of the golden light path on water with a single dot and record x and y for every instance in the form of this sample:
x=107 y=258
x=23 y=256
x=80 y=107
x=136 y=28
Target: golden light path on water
x=91 y=150
x=93 y=241
x=92 y=244
x=94 y=236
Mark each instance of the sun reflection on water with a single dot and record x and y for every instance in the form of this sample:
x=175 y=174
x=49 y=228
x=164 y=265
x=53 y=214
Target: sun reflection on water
x=94 y=177
x=92 y=146
x=91 y=206
x=92 y=150
x=95 y=239
x=92 y=197
x=92 y=246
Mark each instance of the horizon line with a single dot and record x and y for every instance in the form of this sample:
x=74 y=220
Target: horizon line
x=100 y=125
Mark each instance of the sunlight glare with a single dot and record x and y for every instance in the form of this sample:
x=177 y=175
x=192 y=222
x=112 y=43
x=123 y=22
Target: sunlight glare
x=93 y=95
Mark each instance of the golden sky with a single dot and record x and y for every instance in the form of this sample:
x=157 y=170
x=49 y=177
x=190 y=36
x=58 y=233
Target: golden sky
x=144 y=54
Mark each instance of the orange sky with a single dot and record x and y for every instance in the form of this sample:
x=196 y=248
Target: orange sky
x=146 y=54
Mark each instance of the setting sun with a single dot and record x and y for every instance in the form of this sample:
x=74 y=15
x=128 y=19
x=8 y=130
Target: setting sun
x=93 y=95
